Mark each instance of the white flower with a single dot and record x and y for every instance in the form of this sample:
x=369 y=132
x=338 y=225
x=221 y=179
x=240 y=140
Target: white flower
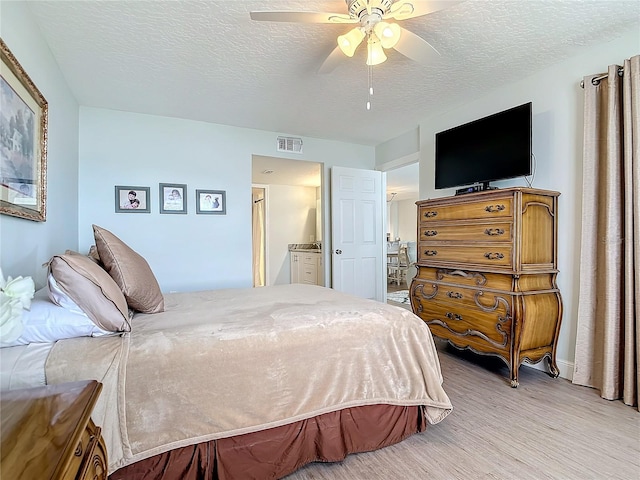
x=15 y=296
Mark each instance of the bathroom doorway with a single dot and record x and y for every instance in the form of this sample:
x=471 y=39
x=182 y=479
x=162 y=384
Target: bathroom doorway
x=291 y=209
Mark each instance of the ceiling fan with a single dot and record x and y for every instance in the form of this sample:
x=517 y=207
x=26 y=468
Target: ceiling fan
x=372 y=19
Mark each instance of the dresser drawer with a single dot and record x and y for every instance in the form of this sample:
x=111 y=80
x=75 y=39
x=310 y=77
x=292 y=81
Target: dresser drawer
x=489 y=326
x=487 y=255
x=463 y=278
x=474 y=232
x=94 y=464
x=473 y=298
x=483 y=209
x=82 y=451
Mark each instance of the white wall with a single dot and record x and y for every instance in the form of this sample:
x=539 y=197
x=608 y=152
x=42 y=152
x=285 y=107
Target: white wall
x=25 y=245
x=407 y=214
x=398 y=148
x=296 y=226
x=186 y=252
x=557 y=146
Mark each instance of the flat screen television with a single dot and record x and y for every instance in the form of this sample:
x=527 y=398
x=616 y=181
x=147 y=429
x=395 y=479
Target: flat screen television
x=492 y=148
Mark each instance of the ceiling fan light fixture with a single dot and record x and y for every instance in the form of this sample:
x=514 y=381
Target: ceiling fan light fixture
x=388 y=33
x=375 y=52
x=350 y=41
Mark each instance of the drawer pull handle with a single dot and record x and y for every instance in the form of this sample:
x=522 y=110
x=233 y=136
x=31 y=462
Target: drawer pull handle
x=494 y=208
x=430 y=253
x=430 y=214
x=453 y=316
x=494 y=256
x=79 y=449
x=430 y=233
x=492 y=232
x=454 y=295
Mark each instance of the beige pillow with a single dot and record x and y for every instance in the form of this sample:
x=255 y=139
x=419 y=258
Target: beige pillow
x=130 y=271
x=93 y=255
x=92 y=289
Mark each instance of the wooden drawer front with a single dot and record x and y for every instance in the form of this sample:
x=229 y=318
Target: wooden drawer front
x=490 y=325
x=82 y=450
x=495 y=281
x=94 y=464
x=484 y=209
x=458 y=296
x=495 y=232
x=491 y=255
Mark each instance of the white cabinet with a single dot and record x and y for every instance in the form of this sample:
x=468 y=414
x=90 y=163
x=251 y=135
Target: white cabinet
x=306 y=267
x=296 y=260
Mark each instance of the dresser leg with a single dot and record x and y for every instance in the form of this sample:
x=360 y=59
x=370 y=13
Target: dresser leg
x=553 y=367
x=514 y=376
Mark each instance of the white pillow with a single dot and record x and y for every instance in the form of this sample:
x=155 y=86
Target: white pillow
x=46 y=322
x=59 y=297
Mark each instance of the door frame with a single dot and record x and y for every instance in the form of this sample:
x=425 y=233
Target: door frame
x=265 y=232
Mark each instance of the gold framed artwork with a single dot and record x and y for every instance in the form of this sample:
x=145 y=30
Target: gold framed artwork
x=23 y=142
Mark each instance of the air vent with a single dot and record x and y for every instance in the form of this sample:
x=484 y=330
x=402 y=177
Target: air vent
x=290 y=144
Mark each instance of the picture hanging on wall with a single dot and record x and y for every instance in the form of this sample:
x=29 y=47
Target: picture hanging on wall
x=133 y=199
x=173 y=198
x=212 y=202
x=23 y=142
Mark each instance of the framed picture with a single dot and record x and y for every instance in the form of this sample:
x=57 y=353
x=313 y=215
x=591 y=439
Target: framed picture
x=23 y=142
x=173 y=198
x=212 y=202
x=133 y=199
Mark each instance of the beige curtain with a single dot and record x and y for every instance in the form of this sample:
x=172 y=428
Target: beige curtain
x=608 y=333
x=258 y=240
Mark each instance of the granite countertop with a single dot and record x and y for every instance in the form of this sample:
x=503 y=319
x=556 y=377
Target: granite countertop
x=305 y=247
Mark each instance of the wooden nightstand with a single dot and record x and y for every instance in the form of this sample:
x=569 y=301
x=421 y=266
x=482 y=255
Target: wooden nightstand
x=47 y=433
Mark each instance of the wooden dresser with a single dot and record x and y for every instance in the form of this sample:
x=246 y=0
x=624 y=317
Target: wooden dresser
x=47 y=433
x=487 y=267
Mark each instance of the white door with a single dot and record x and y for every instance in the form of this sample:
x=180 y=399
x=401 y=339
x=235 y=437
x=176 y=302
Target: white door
x=357 y=240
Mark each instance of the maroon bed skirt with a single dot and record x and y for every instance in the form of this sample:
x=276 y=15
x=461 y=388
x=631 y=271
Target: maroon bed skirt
x=277 y=452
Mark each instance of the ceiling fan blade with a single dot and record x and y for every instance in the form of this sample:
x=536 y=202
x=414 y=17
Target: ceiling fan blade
x=404 y=9
x=335 y=58
x=302 y=17
x=416 y=48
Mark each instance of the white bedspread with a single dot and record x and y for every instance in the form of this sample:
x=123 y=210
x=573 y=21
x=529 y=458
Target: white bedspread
x=227 y=362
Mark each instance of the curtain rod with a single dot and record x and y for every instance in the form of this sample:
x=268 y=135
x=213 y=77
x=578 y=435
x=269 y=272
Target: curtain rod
x=596 y=80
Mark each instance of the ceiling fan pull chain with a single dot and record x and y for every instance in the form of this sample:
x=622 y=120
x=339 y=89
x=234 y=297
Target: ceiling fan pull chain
x=370 y=81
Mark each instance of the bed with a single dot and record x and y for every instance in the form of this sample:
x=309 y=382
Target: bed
x=251 y=383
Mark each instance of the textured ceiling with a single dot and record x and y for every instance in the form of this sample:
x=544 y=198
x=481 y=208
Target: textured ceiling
x=208 y=61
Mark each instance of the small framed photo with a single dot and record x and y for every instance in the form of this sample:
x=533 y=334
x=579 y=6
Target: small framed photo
x=212 y=202
x=132 y=199
x=173 y=198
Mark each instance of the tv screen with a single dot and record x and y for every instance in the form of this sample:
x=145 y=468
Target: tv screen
x=496 y=147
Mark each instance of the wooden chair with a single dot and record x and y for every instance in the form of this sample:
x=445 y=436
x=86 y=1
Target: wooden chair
x=397 y=270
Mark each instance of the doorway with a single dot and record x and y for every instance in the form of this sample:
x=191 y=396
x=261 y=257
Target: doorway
x=292 y=212
x=402 y=194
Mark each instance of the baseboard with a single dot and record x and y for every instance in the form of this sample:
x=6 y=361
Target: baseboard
x=565 y=368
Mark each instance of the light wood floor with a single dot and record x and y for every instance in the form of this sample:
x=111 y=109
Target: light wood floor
x=545 y=429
